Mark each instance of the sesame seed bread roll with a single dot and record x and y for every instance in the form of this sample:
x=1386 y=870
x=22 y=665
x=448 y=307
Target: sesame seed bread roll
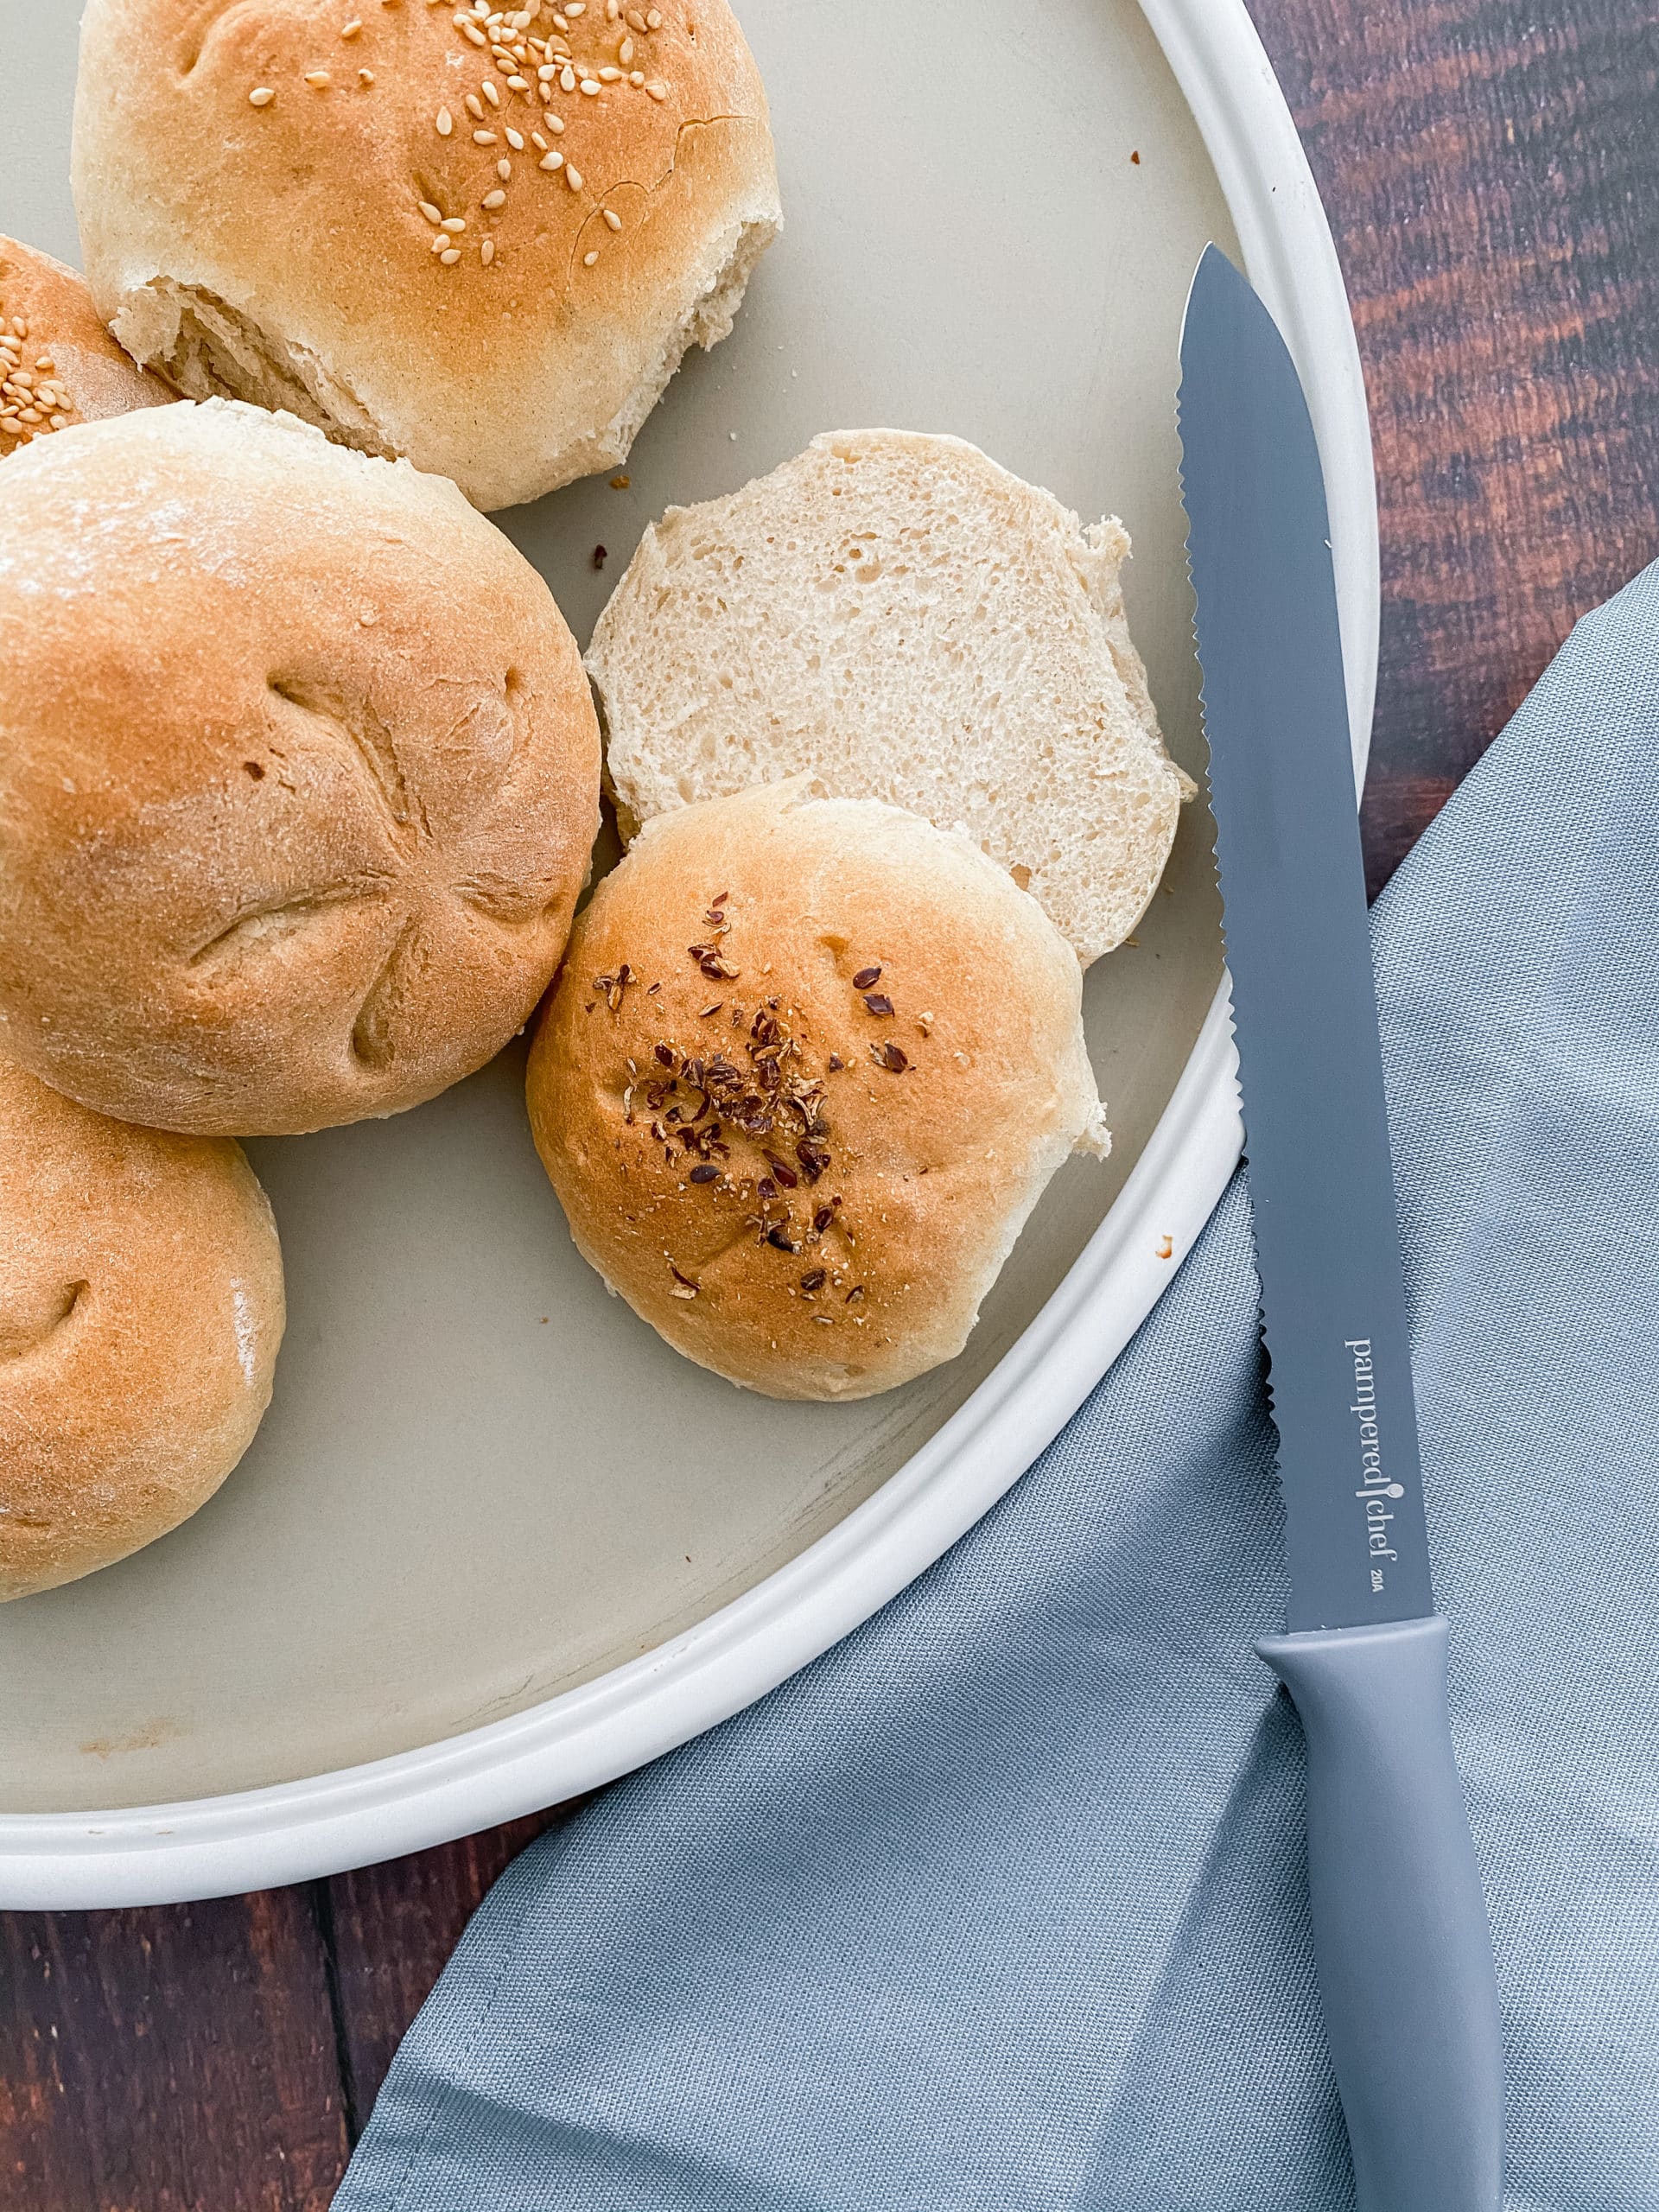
x=299 y=775
x=808 y=1066
x=58 y=364
x=897 y=617
x=480 y=239
x=141 y=1308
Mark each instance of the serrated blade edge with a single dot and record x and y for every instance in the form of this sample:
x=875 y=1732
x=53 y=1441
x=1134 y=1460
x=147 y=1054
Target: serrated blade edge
x=1288 y=863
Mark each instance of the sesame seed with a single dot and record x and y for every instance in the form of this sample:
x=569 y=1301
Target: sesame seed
x=516 y=84
x=548 y=72
x=573 y=178
x=486 y=252
x=625 y=52
x=576 y=8
x=474 y=33
x=319 y=78
x=636 y=76
x=536 y=140
x=351 y=30
x=261 y=96
x=432 y=214
x=613 y=219
x=636 y=19
x=485 y=139
x=555 y=123
x=515 y=139
x=46 y=363
x=610 y=76
x=454 y=223
x=560 y=21
x=589 y=88
x=450 y=256
x=567 y=78
x=496 y=198
x=446 y=123
x=658 y=91
x=475 y=106
x=440 y=242
x=653 y=19
x=366 y=76
x=552 y=160
x=504 y=170
x=589 y=259
x=490 y=94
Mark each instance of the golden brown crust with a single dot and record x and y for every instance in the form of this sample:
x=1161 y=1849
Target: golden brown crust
x=299 y=775
x=829 y=1230
x=141 y=1308
x=500 y=367
x=58 y=364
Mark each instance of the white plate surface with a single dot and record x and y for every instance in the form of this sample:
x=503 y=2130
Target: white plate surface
x=495 y=1544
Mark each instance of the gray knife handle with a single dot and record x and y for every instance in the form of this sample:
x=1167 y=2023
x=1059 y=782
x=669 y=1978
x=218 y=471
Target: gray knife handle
x=1400 y=1929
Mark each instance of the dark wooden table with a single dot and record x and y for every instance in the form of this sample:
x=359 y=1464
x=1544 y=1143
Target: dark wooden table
x=1493 y=175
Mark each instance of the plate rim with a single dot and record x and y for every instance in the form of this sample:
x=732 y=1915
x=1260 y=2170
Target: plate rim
x=583 y=1738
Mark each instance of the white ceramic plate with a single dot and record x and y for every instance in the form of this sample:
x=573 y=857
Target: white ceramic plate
x=496 y=1545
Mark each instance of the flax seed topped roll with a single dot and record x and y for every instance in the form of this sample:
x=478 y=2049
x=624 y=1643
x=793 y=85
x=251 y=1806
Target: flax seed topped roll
x=809 y=1067
x=480 y=237
x=299 y=775
x=141 y=1308
x=58 y=364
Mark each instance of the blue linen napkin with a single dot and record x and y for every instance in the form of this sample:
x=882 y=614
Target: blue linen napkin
x=1000 y=1903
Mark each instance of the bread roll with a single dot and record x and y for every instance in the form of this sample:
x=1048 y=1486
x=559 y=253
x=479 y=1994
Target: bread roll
x=58 y=363
x=141 y=1307
x=479 y=239
x=808 y=1066
x=299 y=775
x=899 y=619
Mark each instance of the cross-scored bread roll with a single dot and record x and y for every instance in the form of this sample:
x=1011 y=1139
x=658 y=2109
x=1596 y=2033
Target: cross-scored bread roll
x=810 y=1065
x=58 y=364
x=482 y=237
x=299 y=775
x=141 y=1308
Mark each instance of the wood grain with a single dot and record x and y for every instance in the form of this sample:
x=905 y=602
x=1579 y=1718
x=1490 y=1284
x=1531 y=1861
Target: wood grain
x=1491 y=171
x=1492 y=175
x=182 y=2061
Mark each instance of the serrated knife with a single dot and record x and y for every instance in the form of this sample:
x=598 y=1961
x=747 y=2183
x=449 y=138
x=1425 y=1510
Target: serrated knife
x=1400 y=1928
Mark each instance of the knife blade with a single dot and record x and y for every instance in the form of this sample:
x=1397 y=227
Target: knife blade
x=1400 y=1934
